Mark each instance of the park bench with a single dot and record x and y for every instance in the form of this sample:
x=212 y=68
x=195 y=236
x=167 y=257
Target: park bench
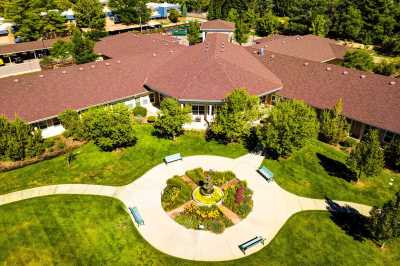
x=254 y=241
x=136 y=215
x=266 y=173
x=173 y=158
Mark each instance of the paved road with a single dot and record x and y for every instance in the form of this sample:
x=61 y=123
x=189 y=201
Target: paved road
x=272 y=207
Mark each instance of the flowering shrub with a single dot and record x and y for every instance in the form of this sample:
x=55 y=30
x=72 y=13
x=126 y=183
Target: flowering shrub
x=239 y=199
x=175 y=194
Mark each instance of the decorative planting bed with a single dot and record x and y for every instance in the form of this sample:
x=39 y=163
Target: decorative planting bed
x=207 y=200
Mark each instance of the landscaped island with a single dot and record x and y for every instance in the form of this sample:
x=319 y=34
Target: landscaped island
x=207 y=200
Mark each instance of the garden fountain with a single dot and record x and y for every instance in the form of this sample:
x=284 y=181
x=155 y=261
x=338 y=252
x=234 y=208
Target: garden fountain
x=207 y=193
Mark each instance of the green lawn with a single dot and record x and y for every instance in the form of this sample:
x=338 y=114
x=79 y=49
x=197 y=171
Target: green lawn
x=318 y=170
x=90 y=230
x=114 y=168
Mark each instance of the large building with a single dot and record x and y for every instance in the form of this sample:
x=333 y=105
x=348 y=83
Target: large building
x=145 y=68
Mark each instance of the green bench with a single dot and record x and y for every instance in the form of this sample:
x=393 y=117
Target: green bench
x=136 y=215
x=266 y=173
x=254 y=241
x=172 y=158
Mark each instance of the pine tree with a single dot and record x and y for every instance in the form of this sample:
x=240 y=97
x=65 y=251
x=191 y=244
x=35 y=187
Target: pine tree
x=367 y=157
x=82 y=48
x=194 y=32
x=392 y=153
x=385 y=222
x=241 y=31
x=334 y=127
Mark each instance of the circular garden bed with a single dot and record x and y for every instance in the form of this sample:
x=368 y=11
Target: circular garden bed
x=207 y=200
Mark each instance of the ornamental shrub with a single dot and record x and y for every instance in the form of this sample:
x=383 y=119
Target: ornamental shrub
x=215 y=226
x=139 y=111
x=151 y=119
x=109 y=127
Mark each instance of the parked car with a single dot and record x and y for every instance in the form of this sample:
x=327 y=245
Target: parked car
x=18 y=59
x=2 y=62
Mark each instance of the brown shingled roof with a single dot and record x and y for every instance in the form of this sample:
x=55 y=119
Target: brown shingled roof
x=211 y=70
x=218 y=24
x=28 y=46
x=369 y=98
x=42 y=95
x=308 y=47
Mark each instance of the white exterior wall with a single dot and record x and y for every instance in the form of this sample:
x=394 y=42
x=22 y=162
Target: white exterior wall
x=52 y=131
x=145 y=102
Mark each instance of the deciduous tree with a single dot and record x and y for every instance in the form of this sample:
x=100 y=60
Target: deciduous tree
x=82 y=48
x=233 y=120
x=392 y=153
x=267 y=24
x=288 y=127
x=130 y=11
x=89 y=14
x=171 y=118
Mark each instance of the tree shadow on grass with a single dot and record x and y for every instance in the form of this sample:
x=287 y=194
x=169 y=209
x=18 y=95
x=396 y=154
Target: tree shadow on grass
x=349 y=219
x=336 y=168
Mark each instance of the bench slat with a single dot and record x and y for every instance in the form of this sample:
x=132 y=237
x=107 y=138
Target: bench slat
x=243 y=247
x=172 y=158
x=136 y=215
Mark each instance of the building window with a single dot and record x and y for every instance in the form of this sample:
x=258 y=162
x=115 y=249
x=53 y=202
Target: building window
x=145 y=101
x=152 y=98
x=197 y=109
x=388 y=137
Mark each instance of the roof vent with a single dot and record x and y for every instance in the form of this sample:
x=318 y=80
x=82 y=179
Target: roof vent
x=64 y=72
x=345 y=72
x=154 y=54
x=266 y=45
x=392 y=82
x=41 y=76
x=328 y=69
x=16 y=80
x=272 y=56
x=92 y=66
x=81 y=68
x=118 y=61
x=107 y=64
x=305 y=63
x=298 y=38
x=363 y=76
x=283 y=42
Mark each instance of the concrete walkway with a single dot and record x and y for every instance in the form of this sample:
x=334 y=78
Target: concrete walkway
x=272 y=207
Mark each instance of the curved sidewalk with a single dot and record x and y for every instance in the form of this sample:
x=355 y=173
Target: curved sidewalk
x=272 y=207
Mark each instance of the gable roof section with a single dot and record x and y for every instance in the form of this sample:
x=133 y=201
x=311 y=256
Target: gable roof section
x=218 y=24
x=369 y=98
x=38 y=96
x=211 y=70
x=308 y=47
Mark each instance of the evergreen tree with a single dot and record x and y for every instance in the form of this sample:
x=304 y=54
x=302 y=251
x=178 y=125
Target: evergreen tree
x=35 y=144
x=334 y=127
x=89 y=14
x=171 y=118
x=392 y=153
x=54 y=25
x=82 y=48
x=264 y=6
x=348 y=22
x=233 y=15
x=367 y=157
x=173 y=15
x=17 y=140
x=391 y=45
x=268 y=24
x=359 y=59
x=233 y=120
x=130 y=11
x=194 y=32
x=242 y=31
x=385 y=222
x=288 y=127
x=320 y=25
x=184 y=10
